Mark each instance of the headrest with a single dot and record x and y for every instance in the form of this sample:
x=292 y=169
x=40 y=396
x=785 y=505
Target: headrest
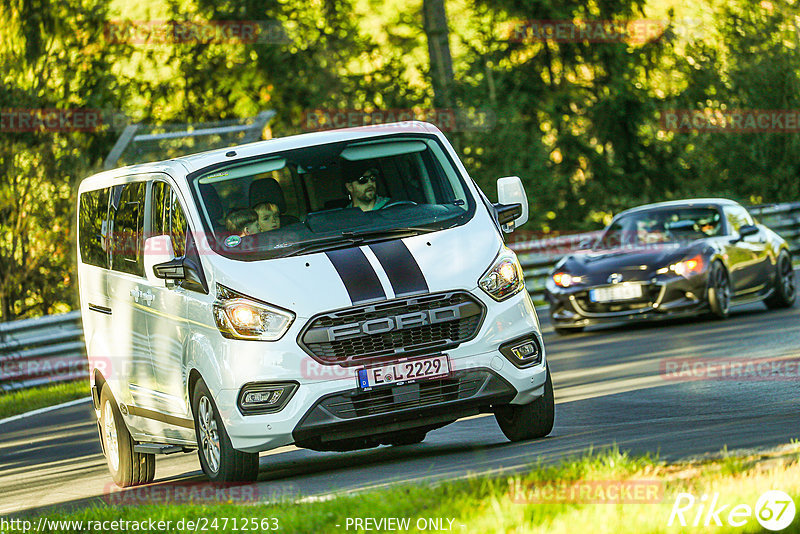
x=213 y=203
x=267 y=190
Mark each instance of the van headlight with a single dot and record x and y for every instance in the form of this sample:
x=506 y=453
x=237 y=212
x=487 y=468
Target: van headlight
x=241 y=317
x=504 y=278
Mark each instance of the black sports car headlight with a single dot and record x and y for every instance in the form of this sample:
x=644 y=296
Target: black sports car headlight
x=686 y=268
x=565 y=280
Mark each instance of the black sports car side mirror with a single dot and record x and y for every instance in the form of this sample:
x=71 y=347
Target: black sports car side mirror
x=748 y=229
x=744 y=231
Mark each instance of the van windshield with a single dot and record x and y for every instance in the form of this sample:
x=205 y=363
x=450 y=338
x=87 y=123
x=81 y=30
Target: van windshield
x=330 y=196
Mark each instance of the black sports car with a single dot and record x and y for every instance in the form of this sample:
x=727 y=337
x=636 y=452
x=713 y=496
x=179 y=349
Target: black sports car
x=670 y=259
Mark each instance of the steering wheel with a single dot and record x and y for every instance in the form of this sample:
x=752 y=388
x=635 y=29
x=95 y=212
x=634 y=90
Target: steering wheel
x=400 y=203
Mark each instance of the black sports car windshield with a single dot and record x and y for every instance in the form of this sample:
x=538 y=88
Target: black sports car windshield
x=662 y=225
x=329 y=196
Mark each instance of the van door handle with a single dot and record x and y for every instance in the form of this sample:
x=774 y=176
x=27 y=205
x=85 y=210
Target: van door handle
x=147 y=297
x=136 y=294
x=99 y=309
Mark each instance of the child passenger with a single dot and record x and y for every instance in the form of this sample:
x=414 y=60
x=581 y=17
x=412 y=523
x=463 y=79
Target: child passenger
x=242 y=221
x=269 y=217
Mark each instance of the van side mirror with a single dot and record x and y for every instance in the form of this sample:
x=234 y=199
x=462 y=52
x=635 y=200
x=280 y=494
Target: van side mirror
x=170 y=270
x=182 y=269
x=510 y=192
x=157 y=250
x=507 y=213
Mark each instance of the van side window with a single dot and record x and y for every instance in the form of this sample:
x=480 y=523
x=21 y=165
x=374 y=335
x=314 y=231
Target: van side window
x=127 y=204
x=93 y=225
x=177 y=227
x=160 y=190
x=168 y=217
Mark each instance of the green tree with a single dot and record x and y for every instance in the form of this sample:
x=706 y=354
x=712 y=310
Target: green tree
x=51 y=57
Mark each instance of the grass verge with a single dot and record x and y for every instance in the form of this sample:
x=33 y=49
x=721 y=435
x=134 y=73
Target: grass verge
x=25 y=400
x=576 y=495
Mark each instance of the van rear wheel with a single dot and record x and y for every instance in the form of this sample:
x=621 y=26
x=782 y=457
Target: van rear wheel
x=219 y=460
x=529 y=421
x=127 y=467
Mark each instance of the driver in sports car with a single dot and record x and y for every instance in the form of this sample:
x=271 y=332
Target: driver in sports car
x=363 y=191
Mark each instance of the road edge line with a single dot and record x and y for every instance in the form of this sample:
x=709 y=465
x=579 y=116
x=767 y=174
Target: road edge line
x=44 y=410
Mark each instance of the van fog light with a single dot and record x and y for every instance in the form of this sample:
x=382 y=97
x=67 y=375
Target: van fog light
x=259 y=398
x=523 y=352
x=265 y=398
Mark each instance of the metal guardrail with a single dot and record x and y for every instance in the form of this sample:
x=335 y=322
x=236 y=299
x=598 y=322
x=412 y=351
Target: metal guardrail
x=538 y=257
x=41 y=351
x=51 y=349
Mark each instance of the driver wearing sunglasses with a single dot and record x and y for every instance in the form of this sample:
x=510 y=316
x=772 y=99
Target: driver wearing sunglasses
x=363 y=191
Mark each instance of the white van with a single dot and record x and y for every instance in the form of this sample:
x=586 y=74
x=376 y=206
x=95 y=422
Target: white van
x=335 y=290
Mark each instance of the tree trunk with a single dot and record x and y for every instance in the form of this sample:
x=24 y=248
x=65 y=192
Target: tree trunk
x=5 y=308
x=436 y=30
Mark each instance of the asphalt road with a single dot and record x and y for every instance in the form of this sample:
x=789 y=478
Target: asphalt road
x=610 y=386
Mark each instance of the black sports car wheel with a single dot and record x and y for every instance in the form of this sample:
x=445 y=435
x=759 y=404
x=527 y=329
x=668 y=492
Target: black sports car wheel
x=785 y=284
x=719 y=291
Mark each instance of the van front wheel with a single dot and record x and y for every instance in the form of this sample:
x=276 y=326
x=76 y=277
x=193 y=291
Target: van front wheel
x=127 y=467
x=529 y=421
x=219 y=460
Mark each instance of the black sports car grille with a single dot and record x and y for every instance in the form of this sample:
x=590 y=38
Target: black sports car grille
x=357 y=346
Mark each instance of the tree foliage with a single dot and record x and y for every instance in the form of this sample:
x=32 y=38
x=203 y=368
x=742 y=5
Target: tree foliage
x=578 y=120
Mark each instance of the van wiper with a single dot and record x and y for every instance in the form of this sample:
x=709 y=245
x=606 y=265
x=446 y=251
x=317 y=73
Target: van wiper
x=349 y=238
x=321 y=243
x=392 y=232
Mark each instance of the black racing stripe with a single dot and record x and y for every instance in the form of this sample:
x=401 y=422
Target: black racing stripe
x=359 y=277
x=401 y=267
x=158 y=416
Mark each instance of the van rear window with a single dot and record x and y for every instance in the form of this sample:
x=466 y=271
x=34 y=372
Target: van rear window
x=93 y=227
x=127 y=206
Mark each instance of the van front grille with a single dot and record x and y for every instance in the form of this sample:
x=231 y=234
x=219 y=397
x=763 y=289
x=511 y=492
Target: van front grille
x=387 y=330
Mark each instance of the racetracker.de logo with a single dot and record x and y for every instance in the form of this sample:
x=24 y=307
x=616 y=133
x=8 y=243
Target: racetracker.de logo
x=181 y=493
x=51 y=120
x=64 y=367
x=447 y=120
x=236 y=32
x=629 y=31
x=730 y=120
x=688 y=369
x=587 y=492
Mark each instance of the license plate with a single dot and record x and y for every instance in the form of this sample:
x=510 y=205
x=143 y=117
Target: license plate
x=617 y=292
x=403 y=372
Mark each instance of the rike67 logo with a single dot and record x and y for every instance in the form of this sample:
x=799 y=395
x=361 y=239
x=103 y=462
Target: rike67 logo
x=774 y=510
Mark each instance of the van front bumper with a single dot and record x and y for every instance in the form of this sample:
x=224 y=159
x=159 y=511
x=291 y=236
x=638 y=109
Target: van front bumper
x=329 y=408
x=364 y=418
x=330 y=417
